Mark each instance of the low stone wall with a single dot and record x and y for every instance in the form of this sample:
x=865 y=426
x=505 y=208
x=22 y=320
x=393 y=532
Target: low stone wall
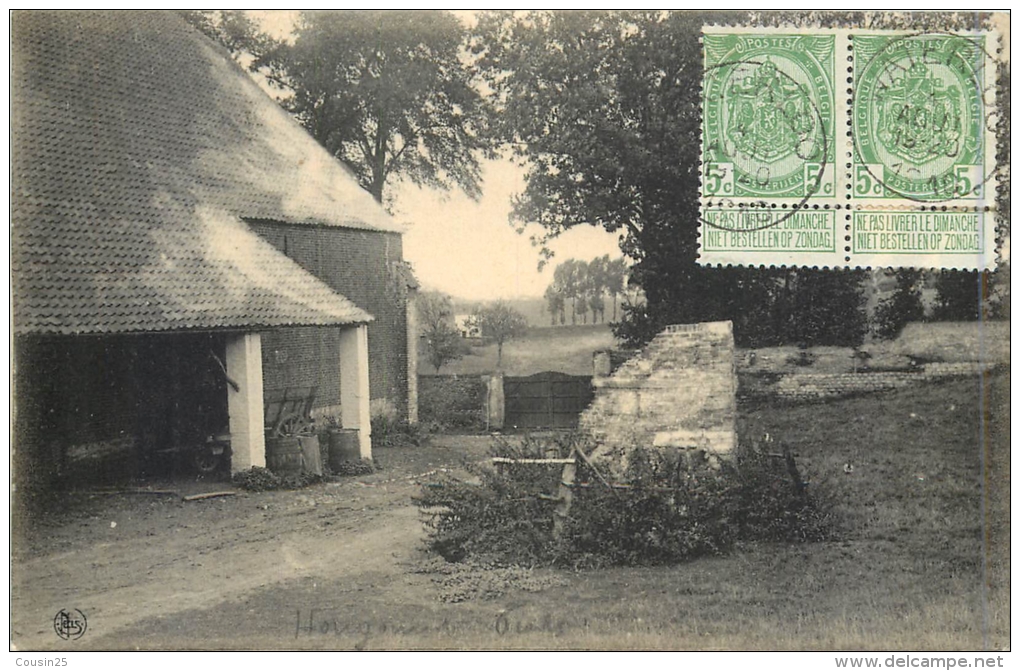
x=818 y=386
x=938 y=369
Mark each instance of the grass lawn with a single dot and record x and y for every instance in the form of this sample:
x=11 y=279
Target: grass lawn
x=567 y=349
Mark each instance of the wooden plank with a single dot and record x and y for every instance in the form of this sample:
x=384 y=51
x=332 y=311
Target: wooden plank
x=584 y=458
x=566 y=496
x=510 y=460
x=208 y=495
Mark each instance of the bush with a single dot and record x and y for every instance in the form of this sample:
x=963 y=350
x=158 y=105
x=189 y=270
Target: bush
x=391 y=432
x=775 y=503
x=350 y=468
x=672 y=510
x=504 y=517
x=673 y=507
x=802 y=358
x=258 y=479
x=452 y=402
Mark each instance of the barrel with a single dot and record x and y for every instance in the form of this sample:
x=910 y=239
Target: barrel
x=284 y=455
x=344 y=446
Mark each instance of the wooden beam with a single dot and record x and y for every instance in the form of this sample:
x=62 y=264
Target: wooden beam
x=566 y=496
x=209 y=495
x=510 y=460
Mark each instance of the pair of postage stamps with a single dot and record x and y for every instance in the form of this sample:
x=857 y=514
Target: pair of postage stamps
x=848 y=148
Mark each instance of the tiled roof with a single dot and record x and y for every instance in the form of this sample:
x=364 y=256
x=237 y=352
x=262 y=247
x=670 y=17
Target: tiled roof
x=138 y=149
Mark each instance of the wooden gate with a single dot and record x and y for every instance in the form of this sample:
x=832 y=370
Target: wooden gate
x=546 y=400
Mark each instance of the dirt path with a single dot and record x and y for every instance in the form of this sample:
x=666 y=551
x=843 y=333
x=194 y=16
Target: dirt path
x=124 y=558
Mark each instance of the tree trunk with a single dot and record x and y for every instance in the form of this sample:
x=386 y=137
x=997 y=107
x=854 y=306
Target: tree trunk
x=379 y=166
x=499 y=355
x=614 y=306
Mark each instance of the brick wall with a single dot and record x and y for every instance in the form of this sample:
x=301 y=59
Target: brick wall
x=679 y=391
x=364 y=266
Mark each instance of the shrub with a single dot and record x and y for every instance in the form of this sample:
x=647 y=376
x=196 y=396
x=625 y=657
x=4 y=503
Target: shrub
x=801 y=358
x=674 y=506
x=452 y=402
x=775 y=502
x=258 y=479
x=388 y=431
x=503 y=517
x=350 y=468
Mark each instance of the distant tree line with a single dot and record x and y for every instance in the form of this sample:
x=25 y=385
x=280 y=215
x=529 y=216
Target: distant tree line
x=583 y=286
x=959 y=296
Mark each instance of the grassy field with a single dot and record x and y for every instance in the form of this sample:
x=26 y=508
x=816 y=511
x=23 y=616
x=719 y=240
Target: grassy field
x=922 y=562
x=567 y=349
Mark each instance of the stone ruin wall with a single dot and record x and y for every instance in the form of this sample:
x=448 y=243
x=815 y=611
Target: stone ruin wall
x=678 y=392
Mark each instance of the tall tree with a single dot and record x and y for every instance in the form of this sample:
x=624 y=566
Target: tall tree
x=501 y=322
x=582 y=308
x=442 y=340
x=604 y=110
x=232 y=28
x=958 y=296
x=385 y=92
x=616 y=280
x=582 y=288
x=554 y=303
x=567 y=277
x=824 y=307
x=902 y=306
x=596 y=286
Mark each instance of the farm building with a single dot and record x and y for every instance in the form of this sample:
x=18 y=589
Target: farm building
x=184 y=254
x=467 y=326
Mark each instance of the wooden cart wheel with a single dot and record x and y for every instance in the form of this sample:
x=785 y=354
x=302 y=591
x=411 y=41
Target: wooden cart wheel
x=295 y=424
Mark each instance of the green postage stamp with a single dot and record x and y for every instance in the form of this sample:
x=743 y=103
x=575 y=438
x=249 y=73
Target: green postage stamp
x=847 y=148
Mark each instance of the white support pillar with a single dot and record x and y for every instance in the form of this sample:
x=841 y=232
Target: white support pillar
x=247 y=425
x=412 y=356
x=355 y=408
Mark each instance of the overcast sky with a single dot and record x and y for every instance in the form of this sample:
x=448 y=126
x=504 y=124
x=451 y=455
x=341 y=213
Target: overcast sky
x=468 y=248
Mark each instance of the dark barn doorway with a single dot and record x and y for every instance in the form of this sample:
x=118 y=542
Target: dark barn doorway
x=101 y=409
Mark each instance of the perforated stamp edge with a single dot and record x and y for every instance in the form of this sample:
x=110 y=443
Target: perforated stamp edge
x=994 y=227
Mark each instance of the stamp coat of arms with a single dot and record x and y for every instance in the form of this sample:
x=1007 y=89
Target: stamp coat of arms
x=769 y=115
x=919 y=118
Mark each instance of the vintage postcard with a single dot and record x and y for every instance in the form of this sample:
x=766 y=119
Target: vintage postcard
x=511 y=330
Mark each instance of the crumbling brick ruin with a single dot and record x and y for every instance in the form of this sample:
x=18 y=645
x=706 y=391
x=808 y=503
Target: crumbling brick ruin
x=679 y=392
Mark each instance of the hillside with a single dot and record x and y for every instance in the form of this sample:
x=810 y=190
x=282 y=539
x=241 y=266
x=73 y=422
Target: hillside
x=567 y=349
